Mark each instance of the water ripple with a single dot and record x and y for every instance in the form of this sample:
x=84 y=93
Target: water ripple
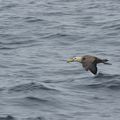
x=30 y=87
x=36 y=83
x=9 y=117
x=36 y=99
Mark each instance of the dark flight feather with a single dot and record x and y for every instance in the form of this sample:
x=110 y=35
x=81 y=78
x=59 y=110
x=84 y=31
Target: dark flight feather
x=89 y=63
x=93 y=68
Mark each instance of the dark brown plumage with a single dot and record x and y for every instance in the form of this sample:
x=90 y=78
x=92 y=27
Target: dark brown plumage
x=89 y=62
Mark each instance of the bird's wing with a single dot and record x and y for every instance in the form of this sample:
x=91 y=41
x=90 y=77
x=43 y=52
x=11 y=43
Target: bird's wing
x=90 y=64
x=93 y=68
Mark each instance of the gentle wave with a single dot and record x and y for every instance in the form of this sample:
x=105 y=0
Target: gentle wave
x=34 y=20
x=101 y=81
x=56 y=35
x=113 y=85
x=50 y=101
x=8 y=6
x=112 y=26
x=30 y=87
x=107 y=76
x=15 y=46
x=106 y=81
x=36 y=99
x=36 y=118
x=8 y=117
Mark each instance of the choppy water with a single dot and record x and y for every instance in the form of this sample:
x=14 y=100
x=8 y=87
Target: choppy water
x=36 y=37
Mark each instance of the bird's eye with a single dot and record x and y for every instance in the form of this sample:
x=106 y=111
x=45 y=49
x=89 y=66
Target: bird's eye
x=84 y=58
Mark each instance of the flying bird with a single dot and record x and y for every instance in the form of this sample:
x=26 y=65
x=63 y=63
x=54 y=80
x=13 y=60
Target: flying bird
x=88 y=62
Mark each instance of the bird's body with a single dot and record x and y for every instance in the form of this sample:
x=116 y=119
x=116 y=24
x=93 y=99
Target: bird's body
x=88 y=62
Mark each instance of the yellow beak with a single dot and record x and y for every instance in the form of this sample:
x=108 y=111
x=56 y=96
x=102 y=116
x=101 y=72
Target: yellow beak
x=70 y=60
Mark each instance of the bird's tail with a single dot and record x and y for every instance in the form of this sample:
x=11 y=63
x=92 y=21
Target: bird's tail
x=105 y=61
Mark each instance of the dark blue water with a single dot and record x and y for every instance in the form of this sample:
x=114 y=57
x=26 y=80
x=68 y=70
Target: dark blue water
x=36 y=38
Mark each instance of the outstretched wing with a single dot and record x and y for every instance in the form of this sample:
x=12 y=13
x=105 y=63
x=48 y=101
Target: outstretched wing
x=90 y=64
x=93 y=68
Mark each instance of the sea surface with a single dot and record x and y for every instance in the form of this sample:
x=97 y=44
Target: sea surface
x=36 y=39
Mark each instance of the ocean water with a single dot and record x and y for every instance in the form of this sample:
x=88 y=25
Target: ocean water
x=36 y=39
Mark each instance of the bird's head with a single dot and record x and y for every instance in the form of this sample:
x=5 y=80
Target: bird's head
x=74 y=59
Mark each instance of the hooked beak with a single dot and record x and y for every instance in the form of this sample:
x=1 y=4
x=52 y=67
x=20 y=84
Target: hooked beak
x=70 y=60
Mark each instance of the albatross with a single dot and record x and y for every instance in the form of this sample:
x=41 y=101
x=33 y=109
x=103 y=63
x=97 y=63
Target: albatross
x=88 y=62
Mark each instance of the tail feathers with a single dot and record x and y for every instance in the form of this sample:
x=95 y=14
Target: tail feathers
x=105 y=61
